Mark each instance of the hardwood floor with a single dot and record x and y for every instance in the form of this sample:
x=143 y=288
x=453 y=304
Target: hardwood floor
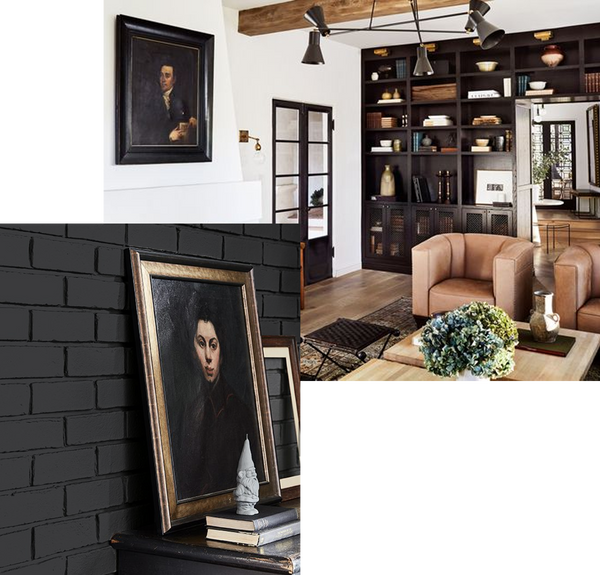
x=365 y=291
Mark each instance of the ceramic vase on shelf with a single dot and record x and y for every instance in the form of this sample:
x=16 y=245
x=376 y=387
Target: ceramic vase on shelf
x=552 y=55
x=466 y=375
x=544 y=324
x=388 y=183
x=426 y=141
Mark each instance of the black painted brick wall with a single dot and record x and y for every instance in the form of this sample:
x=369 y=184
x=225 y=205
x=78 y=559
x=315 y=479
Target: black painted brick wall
x=73 y=463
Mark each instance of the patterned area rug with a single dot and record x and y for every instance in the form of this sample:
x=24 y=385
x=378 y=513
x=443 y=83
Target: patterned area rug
x=397 y=315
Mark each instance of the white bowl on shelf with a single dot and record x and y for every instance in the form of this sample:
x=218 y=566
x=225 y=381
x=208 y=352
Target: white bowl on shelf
x=486 y=66
x=385 y=143
x=537 y=85
x=482 y=141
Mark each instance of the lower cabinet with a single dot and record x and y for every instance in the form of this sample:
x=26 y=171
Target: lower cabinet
x=481 y=221
x=428 y=221
x=387 y=239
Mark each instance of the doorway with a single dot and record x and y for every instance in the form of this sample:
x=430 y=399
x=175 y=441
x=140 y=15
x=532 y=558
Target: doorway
x=302 y=180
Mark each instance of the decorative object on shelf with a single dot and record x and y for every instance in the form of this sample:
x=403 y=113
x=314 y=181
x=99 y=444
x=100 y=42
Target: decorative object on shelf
x=441 y=67
x=404 y=120
x=498 y=143
x=374 y=76
x=552 y=55
x=544 y=36
x=488 y=34
x=440 y=175
x=487 y=66
x=397 y=145
x=388 y=182
x=448 y=175
x=475 y=342
x=385 y=143
x=246 y=492
x=482 y=141
x=450 y=145
x=434 y=92
x=385 y=71
x=493 y=186
x=387 y=95
x=396 y=94
x=537 y=85
x=486 y=121
x=426 y=141
x=544 y=323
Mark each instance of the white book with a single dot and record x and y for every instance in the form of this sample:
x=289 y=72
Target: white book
x=507 y=87
x=474 y=94
x=382 y=149
x=391 y=101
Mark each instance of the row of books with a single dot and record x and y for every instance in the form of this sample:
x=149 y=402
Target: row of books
x=401 y=68
x=269 y=525
x=592 y=82
x=422 y=191
x=416 y=140
x=490 y=120
x=522 y=84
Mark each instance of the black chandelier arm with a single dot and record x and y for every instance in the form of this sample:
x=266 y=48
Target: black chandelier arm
x=337 y=31
x=377 y=26
x=416 y=18
x=372 y=14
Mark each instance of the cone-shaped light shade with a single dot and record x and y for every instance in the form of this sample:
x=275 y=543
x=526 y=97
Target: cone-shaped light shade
x=481 y=7
x=313 y=54
x=488 y=33
x=316 y=17
x=423 y=67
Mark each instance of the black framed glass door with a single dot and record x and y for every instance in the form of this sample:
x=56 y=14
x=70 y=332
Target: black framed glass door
x=302 y=180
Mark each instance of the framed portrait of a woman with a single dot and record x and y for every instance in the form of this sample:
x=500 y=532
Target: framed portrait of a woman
x=205 y=382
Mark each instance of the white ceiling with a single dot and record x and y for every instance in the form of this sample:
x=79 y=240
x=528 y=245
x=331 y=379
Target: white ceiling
x=512 y=15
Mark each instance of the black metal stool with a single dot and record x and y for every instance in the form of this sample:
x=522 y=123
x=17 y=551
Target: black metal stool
x=350 y=336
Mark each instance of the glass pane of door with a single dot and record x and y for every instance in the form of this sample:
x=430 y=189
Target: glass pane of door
x=287 y=217
x=318 y=188
x=286 y=193
x=317 y=158
x=317 y=222
x=287 y=160
x=287 y=124
x=318 y=127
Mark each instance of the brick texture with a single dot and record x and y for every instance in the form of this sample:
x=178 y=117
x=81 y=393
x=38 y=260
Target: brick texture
x=74 y=467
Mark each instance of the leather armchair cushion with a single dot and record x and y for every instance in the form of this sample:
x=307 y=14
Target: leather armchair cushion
x=588 y=316
x=480 y=251
x=452 y=293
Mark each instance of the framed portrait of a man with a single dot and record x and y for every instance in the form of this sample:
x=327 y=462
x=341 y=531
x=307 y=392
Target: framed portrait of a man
x=164 y=93
x=205 y=382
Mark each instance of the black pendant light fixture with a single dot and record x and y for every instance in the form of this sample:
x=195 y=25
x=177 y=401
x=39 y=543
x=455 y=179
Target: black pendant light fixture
x=488 y=34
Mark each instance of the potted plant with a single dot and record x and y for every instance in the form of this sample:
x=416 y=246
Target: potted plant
x=542 y=164
x=474 y=342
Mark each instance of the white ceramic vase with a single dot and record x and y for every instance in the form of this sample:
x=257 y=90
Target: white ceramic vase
x=466 y=375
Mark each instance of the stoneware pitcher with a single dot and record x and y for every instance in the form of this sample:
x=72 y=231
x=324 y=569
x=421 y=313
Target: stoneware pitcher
x=544 y=323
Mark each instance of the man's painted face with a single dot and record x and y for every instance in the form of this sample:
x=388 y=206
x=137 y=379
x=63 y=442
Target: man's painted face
x=208 y=350
x=167 y=78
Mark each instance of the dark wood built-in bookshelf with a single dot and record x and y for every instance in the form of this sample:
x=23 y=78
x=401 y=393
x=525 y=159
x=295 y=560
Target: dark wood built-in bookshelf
x=391 y=228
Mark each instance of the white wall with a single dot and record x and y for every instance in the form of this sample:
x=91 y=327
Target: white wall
x=269 y=67
x=200 y=185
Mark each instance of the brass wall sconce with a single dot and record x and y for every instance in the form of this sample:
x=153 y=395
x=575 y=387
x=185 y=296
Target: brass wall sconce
x=245 y=137
x=543 y=36
x=383 y=52
x=431 y=47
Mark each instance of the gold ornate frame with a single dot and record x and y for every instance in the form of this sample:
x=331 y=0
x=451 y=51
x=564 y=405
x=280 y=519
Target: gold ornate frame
x=145 y=265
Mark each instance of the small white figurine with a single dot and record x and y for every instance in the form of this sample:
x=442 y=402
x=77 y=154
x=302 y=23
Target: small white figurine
x=246 y=492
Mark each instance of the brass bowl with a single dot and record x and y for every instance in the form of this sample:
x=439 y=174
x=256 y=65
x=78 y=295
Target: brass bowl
x=486 y=66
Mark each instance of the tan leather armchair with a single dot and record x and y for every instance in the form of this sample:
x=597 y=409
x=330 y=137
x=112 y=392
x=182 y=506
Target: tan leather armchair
x=577 y=277
x=450 y=270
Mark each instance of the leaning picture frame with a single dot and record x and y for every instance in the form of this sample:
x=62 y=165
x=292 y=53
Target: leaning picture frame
x=204 y=381
x=493 y=186
x=283 y=379
x=164 y=93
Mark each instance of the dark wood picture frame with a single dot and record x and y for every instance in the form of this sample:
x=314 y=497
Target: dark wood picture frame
x=160 y=123
x=285 y=347
x=197 y=418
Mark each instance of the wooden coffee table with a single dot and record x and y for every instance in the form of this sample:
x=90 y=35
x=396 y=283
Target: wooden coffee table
x=382 y=370
x=529 y=366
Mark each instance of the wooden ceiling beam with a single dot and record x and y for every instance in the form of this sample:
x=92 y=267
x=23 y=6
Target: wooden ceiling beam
x=290 y=15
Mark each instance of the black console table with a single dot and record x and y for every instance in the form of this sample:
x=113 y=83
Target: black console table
x=187 y=552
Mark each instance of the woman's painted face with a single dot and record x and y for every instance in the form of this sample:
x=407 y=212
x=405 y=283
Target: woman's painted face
x=208 y=350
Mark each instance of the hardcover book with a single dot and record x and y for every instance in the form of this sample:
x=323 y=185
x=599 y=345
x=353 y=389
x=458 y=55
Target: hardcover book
x=255 y=538
x=268 y=516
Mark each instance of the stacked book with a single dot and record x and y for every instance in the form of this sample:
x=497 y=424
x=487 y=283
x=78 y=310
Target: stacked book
x=438 y=121
x=522 y=83
x=401 y=68
x=389 y=122
x=374 y=119
x=428 y=148
x=481 y=148
x=269 y=525
x=382 y=149
x=592 y=82
x=545 y=92
x=487 y=121
x=475 y=94
x=390 y=101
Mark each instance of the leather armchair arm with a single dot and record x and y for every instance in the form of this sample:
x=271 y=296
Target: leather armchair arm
x=573 y=277
x=513 y=277
x=431 y=262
